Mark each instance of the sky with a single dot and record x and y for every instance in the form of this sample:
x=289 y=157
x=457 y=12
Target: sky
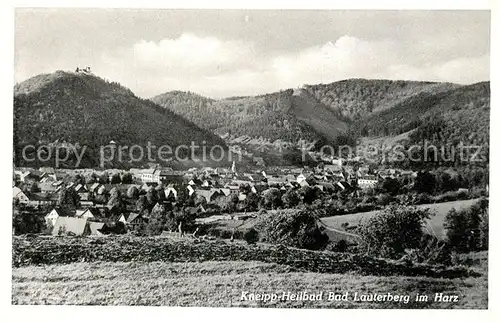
x=222 y=53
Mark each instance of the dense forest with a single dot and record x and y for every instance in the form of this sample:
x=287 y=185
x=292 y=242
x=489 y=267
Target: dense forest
x=343 y=112
x=84 y=109
x=283 y=115
x=264 y=116
x=357 y=98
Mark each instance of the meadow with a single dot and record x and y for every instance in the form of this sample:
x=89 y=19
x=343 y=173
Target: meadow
x=435 y=224
x=220 y=284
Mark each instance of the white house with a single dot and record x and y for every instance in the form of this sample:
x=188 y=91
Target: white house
x=170 y=190
x=190 y=190
x=148 y=175
x=18 y=194
x=366 y=182
x=301 y=177
x=52 y=216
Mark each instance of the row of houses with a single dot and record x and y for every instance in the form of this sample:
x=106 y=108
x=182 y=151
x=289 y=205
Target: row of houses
x=89 y=221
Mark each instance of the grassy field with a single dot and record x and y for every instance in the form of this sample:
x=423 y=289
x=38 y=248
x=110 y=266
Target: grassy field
x=222 y=283
x=435 y=223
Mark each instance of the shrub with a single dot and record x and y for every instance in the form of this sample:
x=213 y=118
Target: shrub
x=292 y=228
x=392 y=231
x=27 y=223
x=251 y=236
x=484 y=230
x=467 y=229
x=433 y=250
x=384 y=199
x=339 y=246
x=421 y=198
x=271 y=198
x=290 y=199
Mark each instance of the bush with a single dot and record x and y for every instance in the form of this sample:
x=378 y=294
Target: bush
x=251 y=236
x=433 y=250
x=422 y=198
x=384 y=199
x=467 y=229
x=27 y=223
x=271 y=198
x=339 y=246
x=292 y=228
x=392 y=231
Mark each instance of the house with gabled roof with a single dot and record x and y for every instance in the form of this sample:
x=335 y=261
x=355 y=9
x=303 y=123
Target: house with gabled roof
x=342 y=185
x=48 y=170
x=209 y=195
x=132 y=219
x=367 y=181
x=47 y=187
x=52 y=216
x=147 y=175
x=42 y=199
x=18 y=194
x=276 y=179
x=225 y=191
x=304 y=183
x=25 y=176
x=170 y=191
x=301 y=177
x=71 y=225
x=89 y=213
x=95 y=228
x=93 y=188
x=50 y=178
x=326 y=186
x=190 y=190
x=79 y=188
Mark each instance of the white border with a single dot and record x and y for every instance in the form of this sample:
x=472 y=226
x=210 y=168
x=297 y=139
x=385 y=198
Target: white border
x=72 y=313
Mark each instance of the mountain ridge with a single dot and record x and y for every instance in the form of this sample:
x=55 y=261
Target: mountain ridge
x=86 y=109
x=357 y=109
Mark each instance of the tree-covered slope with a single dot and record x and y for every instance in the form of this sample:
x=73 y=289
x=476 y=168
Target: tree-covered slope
x=88 y=110
x=283 y=115
x=357 y=98
x=345 y=111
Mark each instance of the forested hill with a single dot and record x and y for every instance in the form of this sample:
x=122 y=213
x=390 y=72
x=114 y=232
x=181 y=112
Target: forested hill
x=461 y=113
x=348 y=110
x=357 y=98
x=286 y=115
x=88 y=110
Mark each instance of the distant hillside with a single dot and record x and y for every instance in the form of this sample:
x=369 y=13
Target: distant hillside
x=283 y=115
x=464 y=111
x=319 y=117
x=344 y=112
x=88 y=110
x=357 y=98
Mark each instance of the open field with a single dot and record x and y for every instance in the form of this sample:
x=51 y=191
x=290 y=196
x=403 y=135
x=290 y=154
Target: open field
x=221 y=284
x=435 y=224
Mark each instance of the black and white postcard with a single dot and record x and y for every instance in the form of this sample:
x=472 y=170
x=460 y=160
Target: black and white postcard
x=289 y=159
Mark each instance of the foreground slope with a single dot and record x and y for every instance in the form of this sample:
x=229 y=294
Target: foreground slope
x=221 y=284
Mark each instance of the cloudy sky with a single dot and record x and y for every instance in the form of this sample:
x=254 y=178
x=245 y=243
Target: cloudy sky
x=222 y=53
